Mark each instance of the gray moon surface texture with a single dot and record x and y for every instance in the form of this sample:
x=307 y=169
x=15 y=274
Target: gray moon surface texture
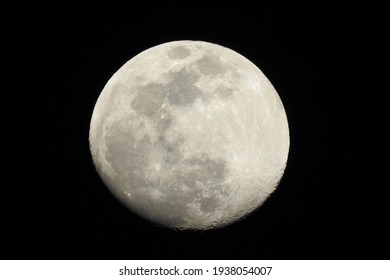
x=190 y=135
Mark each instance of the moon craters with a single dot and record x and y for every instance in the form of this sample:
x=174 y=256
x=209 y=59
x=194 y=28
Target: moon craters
x=190 y=135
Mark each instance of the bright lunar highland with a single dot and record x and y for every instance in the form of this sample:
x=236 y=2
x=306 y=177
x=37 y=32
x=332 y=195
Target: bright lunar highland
x=190 y=135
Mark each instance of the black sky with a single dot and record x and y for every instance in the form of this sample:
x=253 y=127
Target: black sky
x=329 y=69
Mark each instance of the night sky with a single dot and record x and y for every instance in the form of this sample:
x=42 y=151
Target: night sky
x=328 y=69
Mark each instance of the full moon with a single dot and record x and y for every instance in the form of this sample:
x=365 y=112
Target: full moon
x=190 y=135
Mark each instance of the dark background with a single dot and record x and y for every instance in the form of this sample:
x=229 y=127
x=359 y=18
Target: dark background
x=327 y=64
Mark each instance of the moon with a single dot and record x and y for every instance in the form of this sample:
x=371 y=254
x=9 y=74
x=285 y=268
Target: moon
x=190 y=135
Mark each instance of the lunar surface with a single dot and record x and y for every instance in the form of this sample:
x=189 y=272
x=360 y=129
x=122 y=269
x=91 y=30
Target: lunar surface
x=190 y=135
